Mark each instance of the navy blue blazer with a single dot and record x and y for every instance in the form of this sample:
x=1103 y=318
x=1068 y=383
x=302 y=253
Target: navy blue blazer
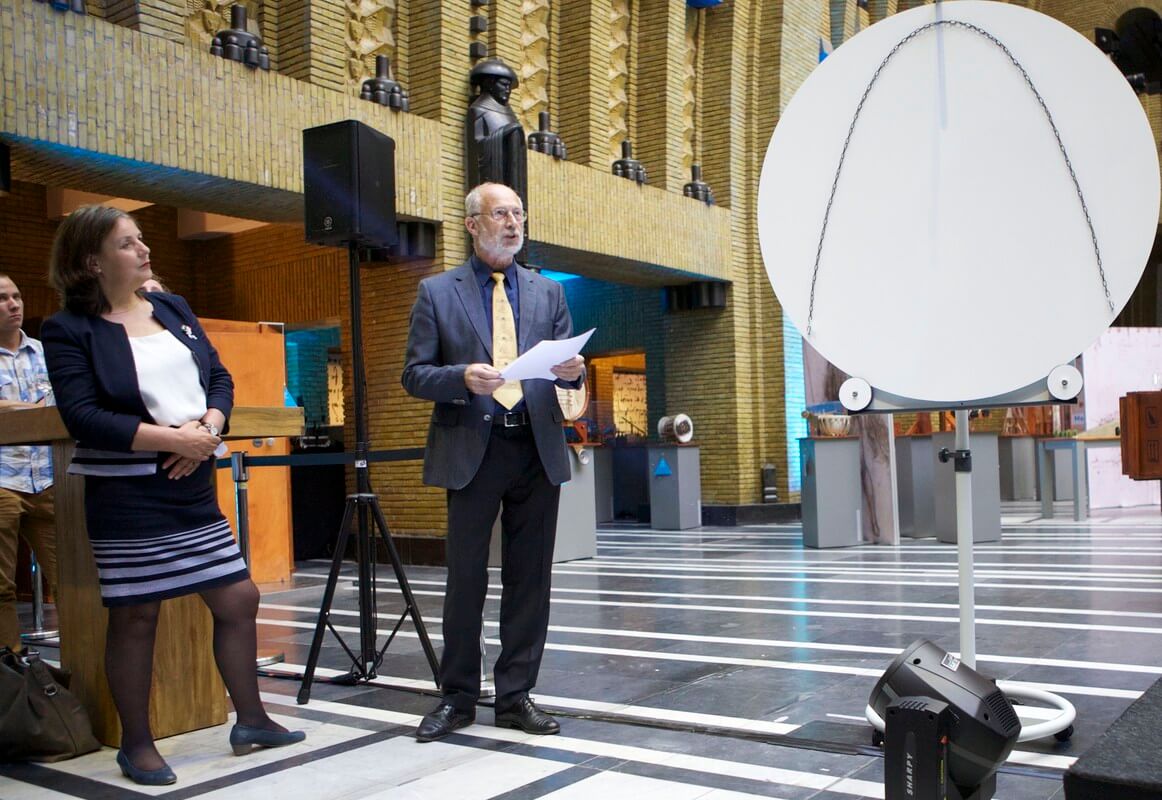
x=90 y=364
x=449 y=331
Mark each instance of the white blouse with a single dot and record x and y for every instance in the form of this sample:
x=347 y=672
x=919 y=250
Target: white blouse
x=168 y=377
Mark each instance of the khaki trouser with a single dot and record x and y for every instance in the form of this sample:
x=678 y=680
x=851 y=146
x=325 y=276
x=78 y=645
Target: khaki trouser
x=29 y=517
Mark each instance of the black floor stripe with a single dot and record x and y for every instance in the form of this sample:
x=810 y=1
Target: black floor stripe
x=548 y=784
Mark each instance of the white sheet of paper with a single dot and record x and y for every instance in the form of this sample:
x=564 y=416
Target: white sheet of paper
x=545 y=354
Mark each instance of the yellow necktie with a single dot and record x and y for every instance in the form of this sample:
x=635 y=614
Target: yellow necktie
x=503 y=342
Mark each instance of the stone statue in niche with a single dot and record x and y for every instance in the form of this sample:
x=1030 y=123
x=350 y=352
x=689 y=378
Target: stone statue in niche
x=494 y=138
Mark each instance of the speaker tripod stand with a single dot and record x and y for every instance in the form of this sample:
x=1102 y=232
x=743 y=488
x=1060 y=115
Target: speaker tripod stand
x=362 y=507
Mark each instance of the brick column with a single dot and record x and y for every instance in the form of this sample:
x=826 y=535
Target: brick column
x=312 y=42
x=504 y=26
x=881 y=9
x=584 y=81
x=723 y=108
x=164 y=18
x=661 y=51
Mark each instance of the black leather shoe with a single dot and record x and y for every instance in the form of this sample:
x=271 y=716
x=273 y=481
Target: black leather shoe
x=244 y=738
x=445 y=719
x=146 y=777
x=526 y=716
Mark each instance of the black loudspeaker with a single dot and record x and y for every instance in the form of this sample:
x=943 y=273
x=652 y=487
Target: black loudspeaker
x=349 y=185
x=916 y=749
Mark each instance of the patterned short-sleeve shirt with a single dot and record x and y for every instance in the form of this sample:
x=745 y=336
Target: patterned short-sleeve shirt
x=24 y=377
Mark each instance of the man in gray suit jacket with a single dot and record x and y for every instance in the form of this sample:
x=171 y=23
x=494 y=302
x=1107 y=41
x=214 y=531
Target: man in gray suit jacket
x=492 y=444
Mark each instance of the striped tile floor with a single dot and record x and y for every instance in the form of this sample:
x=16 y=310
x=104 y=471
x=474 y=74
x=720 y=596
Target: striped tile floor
x=713 y=663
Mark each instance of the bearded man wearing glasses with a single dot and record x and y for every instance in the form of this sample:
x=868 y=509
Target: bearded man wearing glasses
x=492 y=444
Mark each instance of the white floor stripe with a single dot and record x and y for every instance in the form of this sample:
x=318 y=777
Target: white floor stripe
x=719 y=659
x=690 y=718
x=1050 y=610
x=643 y=712
x=633 y=572
x=947 y=561
x=710 y=766
x=851 y=649
x=571 y=570
x=782 y=612
x=1057 y=549
x=848 y=567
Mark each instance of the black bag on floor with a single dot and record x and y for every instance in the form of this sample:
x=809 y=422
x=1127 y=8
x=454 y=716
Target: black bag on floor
x=40 y=719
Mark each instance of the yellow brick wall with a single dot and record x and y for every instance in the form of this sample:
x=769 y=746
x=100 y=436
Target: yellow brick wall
x=661 y=50
x=594 y=214
x=272 y=274
x=583 y=115
x=176 y=126
x=181 y=116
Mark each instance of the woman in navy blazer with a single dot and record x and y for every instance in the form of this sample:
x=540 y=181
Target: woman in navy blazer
x=141 y=388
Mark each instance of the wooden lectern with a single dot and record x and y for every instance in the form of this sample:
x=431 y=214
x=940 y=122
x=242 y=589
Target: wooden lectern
x=187 y=692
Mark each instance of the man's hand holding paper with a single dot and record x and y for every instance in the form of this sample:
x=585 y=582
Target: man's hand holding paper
x=570 y=370
x=550 y=359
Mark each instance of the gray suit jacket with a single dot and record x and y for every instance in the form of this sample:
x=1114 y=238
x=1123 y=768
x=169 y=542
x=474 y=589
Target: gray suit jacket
x=448 y=332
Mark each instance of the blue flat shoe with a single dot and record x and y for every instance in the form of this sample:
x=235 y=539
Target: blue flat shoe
x=146 y=777
x=244 y=738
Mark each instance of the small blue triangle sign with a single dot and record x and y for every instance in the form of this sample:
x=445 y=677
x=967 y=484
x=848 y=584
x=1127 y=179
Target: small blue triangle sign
x=663 y=469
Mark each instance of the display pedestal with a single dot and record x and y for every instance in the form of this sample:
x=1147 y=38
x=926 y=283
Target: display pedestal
x=187 y=692
x=576 y=519
x=914 y=458
x=576 y=515
x=631 y=489
x=986 y=489
x=603 y=484
x=1064 y=486
x=831 y=495
x=675 y=475
x=1018 y=467
x=1062 y=461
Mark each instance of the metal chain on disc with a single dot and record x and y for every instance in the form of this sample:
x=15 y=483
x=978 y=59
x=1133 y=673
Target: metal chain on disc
x=954 y=23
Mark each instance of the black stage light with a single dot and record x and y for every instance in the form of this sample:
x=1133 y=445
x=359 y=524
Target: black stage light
x=983 y=727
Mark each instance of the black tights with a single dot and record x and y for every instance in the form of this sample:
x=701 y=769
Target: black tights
x=129 y=664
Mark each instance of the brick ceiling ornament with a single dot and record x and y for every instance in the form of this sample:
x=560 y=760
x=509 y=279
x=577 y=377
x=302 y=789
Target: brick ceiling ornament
x=237 y=43
x=383 y=89
x=544 y=140
x=370 y=33
x=694 y=21
x=207 y=17
x=619 y=19
x=534 y=68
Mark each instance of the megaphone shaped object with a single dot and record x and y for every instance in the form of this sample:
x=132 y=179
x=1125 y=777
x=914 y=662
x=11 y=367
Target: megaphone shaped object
x=679 y=427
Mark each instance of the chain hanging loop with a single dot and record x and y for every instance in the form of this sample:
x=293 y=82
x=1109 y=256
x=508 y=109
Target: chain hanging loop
x=954 y=23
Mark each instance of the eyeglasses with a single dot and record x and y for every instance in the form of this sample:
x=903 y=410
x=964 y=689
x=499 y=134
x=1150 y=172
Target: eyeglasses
x=498 y=214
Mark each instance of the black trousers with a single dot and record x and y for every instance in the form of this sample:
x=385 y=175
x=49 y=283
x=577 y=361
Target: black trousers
x=511 y=476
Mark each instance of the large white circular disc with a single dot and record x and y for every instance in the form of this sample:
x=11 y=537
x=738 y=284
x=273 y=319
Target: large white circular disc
x=957 y=262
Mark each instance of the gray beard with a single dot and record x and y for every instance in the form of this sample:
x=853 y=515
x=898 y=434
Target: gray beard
x=495 y=250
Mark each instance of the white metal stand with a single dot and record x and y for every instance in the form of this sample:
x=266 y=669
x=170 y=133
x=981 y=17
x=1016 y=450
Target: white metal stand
x=1061 y=725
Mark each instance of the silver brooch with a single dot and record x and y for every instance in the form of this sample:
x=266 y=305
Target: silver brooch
x=188 y=331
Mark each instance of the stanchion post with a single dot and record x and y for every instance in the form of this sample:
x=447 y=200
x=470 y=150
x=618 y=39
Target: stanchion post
x=240 y=473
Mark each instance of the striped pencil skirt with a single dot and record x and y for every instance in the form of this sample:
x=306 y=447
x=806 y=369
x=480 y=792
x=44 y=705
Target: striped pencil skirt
x=155 y=538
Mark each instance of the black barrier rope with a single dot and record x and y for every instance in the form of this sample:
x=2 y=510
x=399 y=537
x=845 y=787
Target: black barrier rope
x=317 y=459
